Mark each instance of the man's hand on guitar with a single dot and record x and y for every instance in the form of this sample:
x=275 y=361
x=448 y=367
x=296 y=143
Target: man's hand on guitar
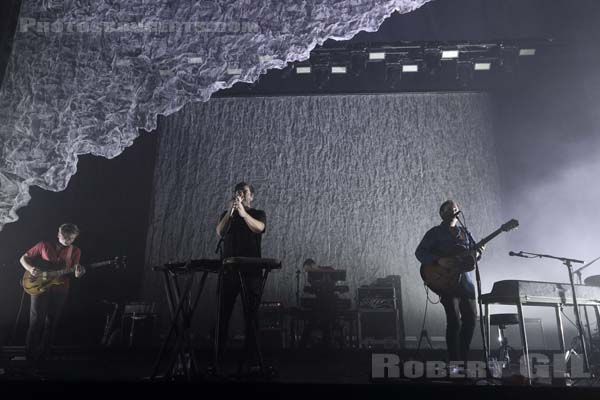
x=477 y=253
x=79 y=271
x=35 y=271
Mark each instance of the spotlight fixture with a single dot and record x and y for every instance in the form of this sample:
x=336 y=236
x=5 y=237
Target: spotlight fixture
x=303 y=70
x=410 y=68
x=527 y=52
x=482 y=66
x=376 y=56
x=338 y=69
x=449 y=54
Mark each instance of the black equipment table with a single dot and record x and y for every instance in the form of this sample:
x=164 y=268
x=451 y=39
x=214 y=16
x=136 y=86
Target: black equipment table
x=546 y=294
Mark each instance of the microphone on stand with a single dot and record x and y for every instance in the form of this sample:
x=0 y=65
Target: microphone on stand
x=519 y=254
x=456 y=213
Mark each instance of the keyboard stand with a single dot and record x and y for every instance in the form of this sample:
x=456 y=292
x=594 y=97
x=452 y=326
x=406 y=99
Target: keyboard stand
x=182 y=358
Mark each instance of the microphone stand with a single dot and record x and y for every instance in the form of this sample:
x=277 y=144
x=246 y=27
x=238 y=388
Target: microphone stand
x=219 y=248
x=585 y=312
x=568 y=262
x=216 y=359
x=472 y=247
x=298 y=288
x=295 y=319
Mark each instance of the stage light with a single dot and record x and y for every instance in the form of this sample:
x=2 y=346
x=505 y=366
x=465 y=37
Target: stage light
x=339 y=70
x=376 y=56
x=449 y=54
x=410 y=68
x=527 y=52
x=303 y=70
x=482 y=66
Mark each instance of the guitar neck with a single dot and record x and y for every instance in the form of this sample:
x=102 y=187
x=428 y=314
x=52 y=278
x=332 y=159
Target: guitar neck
x=60 y=272
x=489 y=237
x=66 y=271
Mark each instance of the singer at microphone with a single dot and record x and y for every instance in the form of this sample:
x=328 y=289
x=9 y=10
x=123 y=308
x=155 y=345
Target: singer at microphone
x=242 y=232
x=440 y=245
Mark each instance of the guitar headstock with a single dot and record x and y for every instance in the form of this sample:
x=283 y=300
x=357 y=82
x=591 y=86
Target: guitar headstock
x=510 y=225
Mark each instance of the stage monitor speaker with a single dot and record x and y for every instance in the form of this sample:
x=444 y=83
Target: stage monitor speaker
x=378 y=329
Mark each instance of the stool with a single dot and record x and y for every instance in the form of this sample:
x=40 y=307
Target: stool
x=502 y=320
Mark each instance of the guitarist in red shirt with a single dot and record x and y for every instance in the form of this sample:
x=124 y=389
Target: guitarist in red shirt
x=46 y=307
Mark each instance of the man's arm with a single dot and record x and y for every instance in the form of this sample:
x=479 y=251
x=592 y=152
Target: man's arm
x=26 y=259
x=424 y=249
x=254 y=224
x=79 y=269
x=223 y=223
x=26 y=263
x=478 y=251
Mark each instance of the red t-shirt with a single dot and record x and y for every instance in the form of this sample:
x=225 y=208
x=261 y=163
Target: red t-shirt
x=47 y=252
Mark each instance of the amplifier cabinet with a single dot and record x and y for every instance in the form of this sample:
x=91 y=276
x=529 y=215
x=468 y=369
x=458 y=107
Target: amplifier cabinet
x=378 y=318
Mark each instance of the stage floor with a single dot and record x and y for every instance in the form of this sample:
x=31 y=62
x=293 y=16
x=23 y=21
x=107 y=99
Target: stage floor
x=335 y=366
x=297 y=374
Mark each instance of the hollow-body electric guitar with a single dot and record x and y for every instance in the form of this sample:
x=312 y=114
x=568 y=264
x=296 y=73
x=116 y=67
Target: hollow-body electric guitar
x=445 y=279
x=52 y=272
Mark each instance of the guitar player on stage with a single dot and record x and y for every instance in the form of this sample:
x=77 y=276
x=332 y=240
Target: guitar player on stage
x=241 y=228
x=439 y=244
x=46 y=307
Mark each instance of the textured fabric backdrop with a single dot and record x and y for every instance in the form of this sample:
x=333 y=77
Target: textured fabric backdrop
x=351 y=181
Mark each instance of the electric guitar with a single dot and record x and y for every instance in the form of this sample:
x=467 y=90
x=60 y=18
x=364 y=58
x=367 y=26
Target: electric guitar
x=51 y=275
x=445 y=279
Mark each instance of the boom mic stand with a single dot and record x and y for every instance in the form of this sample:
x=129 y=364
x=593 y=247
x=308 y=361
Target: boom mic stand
x=472 y=247
x=585 y=312
x=486 y=352
x=568 y=262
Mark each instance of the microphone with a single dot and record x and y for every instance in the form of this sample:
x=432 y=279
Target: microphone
x=513 y=254
x=237 y=194
x=456 y=214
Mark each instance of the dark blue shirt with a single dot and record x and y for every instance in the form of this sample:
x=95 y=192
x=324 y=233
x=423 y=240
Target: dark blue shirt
x=440 y=242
